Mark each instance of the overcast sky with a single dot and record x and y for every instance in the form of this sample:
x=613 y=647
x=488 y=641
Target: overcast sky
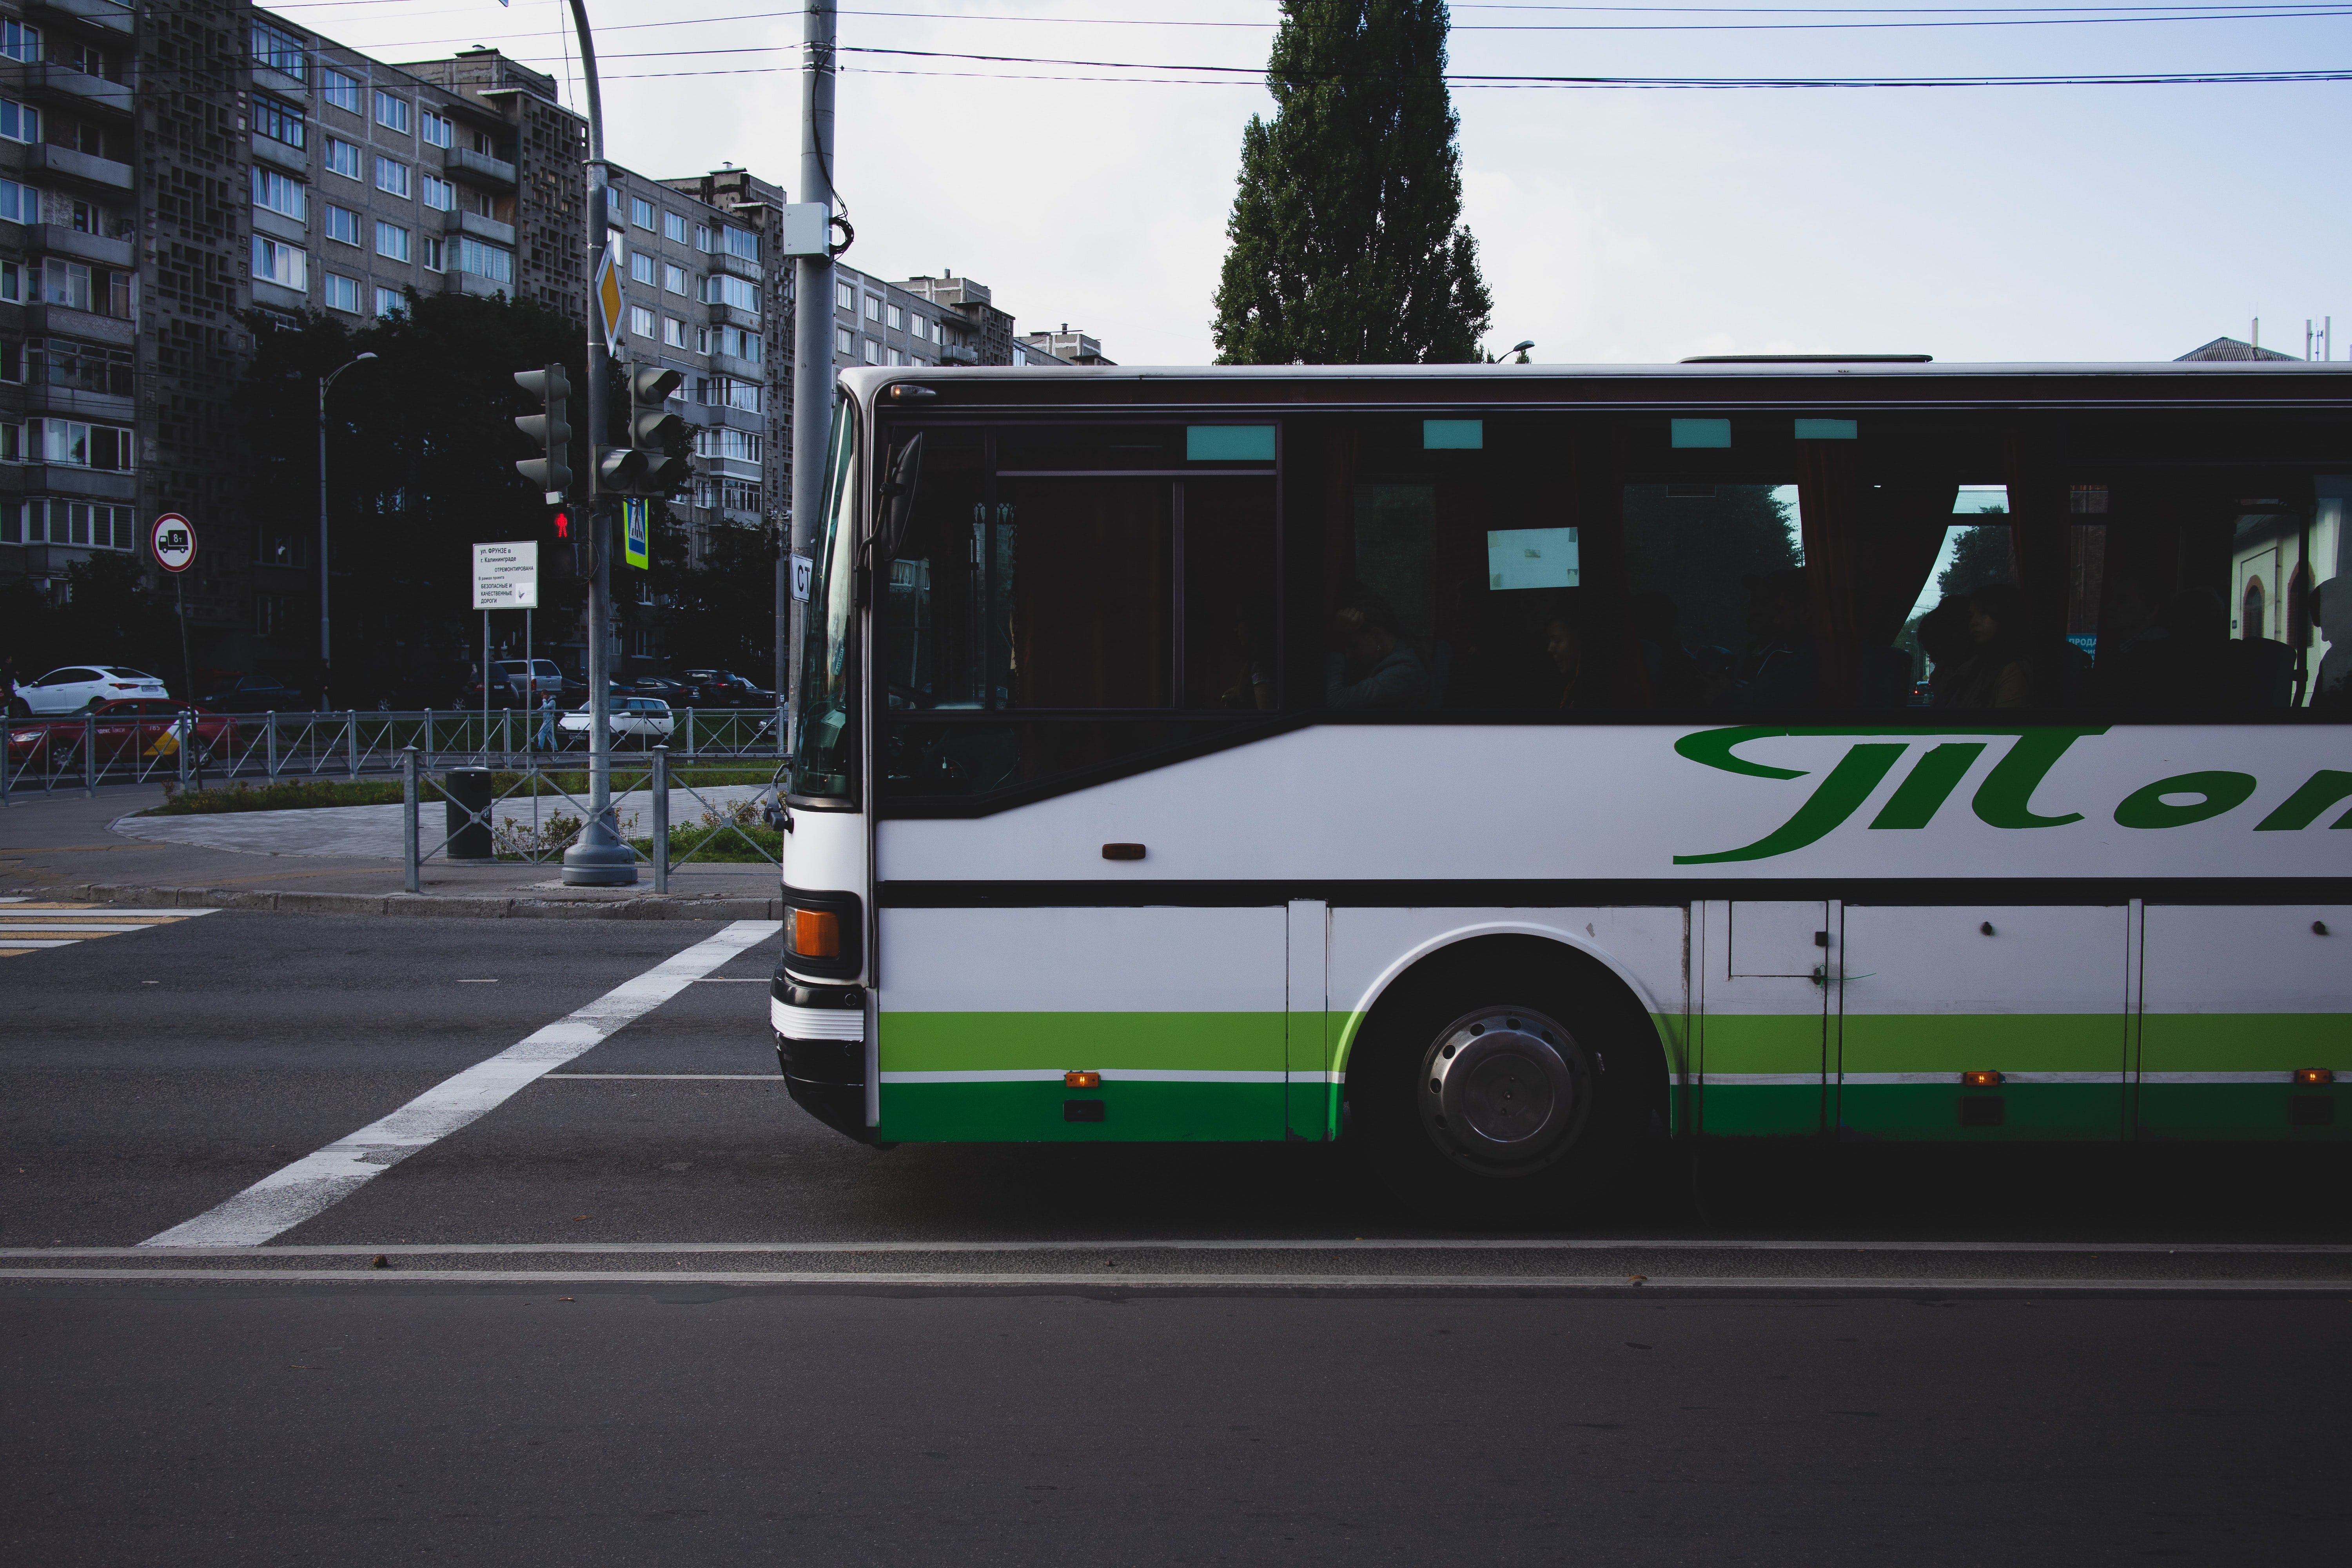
x=2088 y=223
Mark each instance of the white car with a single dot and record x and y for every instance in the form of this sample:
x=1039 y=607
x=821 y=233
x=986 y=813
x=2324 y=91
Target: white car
x=77 y=686
x=647 y=718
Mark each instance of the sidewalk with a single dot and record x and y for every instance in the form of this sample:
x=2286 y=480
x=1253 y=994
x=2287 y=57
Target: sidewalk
x=69 y=846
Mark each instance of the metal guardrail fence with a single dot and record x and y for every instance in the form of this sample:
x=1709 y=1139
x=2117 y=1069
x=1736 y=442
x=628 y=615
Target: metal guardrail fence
x=80 y=752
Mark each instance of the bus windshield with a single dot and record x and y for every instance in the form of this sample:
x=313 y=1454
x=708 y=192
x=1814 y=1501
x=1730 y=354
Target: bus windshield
x=824 y=765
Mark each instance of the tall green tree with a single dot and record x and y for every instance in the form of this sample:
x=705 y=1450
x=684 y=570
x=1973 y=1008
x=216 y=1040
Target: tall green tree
x=1348 y=246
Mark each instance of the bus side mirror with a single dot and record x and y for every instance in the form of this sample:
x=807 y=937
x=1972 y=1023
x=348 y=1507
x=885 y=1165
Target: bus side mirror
x=898 y=499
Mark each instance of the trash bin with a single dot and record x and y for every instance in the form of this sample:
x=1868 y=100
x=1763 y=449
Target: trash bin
x=469 y=792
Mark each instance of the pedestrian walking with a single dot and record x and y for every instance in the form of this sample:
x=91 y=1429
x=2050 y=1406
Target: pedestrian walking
x=545 y=740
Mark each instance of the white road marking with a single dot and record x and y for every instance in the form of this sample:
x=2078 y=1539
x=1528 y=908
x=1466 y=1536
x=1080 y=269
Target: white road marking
x=280 y=1201
x=1367 y=1284
x=30 y=926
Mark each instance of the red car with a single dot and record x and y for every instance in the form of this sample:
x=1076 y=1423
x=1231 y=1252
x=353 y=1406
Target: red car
x=129 y=732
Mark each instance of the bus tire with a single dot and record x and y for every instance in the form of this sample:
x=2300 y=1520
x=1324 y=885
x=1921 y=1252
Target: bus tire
x=1505 y=1084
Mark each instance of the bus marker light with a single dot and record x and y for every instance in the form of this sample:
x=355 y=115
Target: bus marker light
x=1082 y=1080
x=2311 y=1078
x=1122 y=851
x=1980 y=1078
x=816 y=933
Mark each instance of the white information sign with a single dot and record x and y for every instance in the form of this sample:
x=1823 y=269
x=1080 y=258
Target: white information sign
x=506 y=577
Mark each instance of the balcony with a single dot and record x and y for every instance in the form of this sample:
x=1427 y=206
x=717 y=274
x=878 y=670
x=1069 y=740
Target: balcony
x=463 y=282
x=279 y=297
x=65 y=479
x=270 y=149
x=740 y=369
x=728 y=261
x=956 y=354
x=56 y=239
x=734 y=316
x=86 y=89
x=64 y=321
x=480 y=167
x=86 y=167
x=79 y=405
x=104 y=12
x=271 y=79
x=481 y=227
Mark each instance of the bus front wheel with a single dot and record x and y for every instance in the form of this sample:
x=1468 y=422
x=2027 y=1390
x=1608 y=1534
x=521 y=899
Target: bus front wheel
x=1503 y=1087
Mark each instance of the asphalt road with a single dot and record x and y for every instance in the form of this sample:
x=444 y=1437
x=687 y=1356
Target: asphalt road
x=644 y=1311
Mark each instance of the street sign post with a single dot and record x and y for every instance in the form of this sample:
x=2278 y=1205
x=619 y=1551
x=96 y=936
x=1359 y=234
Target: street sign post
x=172 y=541
x=637 y=533
x=506 y=577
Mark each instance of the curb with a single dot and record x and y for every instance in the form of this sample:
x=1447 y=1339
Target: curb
x=628 y=907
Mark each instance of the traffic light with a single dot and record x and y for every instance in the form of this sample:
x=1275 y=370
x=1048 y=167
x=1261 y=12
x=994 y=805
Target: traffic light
x=552 y=472
x=646 y=467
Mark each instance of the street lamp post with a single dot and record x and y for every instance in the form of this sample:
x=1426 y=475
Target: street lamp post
x=326 y=650
x=598 y=858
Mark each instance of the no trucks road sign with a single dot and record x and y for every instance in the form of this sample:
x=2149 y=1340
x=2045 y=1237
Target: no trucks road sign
x=172 y=541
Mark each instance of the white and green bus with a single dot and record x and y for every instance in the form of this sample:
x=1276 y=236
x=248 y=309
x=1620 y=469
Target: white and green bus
x=1503 y=765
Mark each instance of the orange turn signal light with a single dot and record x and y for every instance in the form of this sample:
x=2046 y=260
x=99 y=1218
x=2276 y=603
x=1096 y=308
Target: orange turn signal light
x=1082 y=1080
x=1980 y=1078
x=2312 y=1078
x=816 y=933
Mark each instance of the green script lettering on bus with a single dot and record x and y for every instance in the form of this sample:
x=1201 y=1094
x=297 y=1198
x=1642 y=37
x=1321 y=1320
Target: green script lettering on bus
x=2005 y=798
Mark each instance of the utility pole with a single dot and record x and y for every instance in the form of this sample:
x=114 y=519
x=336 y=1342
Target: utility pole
x=598 y=858
x=813 y=374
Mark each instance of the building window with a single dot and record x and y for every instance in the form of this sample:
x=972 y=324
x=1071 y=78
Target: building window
x=894 y=356
x=872 y=309
x=724 y=288
x=641 y=212
x=719 y=441
x=275 y=193
x=845 y=298
x=19 y=42
x=71 y=442
x=391 y=241
x=873 y=352
x=73 y=365
x=391 y=112
x=843 y=341
x=738 y=495
x=702 y=240
x=641 y=321
x=275 y=261
x=102 y=290
x=343 y=224
x=641 y=269
x=279 y=120
x=897 y=319
x=438 y=132
x=19 y=203
x=674 y=228
x=392 y=176
x=740 y=342
x=338 y=90
x=343 y=158
x=95 y=524
x=439 y=193
x=19 y=121
x=673 y=279
x=342 y=293
x=278 y=49
x=390 y=301
x=674 y=332
x=485 y=261
x=613 y=205
x=740 y=242
x=435 y=254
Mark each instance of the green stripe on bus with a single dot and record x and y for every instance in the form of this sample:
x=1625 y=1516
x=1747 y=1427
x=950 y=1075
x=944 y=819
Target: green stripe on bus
x=2245 y=1042
x=2008 y=1042
x=945 y=1042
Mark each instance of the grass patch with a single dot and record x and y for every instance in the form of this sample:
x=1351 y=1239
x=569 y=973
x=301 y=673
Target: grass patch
x=709 y=845
x=285 y=795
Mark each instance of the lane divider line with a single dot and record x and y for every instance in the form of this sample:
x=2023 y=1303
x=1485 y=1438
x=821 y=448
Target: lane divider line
x=316 y=1182
x=1360 y=1284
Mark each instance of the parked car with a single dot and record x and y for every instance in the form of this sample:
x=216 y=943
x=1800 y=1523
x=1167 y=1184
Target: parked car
x=518 y=683
x=724 y=688
x=673 y=692
x=77 y=686
x=257 y=694
x=125 y=731
x=647 y=718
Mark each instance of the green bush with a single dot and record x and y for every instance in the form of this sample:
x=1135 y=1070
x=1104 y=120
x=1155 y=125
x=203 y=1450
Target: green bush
x=285 y=795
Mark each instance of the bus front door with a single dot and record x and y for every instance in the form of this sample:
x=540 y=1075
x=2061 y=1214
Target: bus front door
x=1983 y=1023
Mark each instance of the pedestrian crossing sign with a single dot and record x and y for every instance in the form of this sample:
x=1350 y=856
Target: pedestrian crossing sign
x=637 y=533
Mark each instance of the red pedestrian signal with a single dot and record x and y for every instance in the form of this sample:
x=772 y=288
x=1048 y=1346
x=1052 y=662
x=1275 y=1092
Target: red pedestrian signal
x=563 y=525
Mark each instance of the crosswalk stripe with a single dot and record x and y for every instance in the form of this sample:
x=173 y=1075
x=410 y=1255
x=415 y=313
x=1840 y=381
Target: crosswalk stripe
x=29 y=926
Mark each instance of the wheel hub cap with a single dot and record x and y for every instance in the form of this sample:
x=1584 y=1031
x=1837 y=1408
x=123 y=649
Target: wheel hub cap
x=1499 y=1086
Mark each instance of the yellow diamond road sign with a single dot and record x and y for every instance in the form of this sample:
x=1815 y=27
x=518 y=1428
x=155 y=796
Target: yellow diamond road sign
x=608 y=295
